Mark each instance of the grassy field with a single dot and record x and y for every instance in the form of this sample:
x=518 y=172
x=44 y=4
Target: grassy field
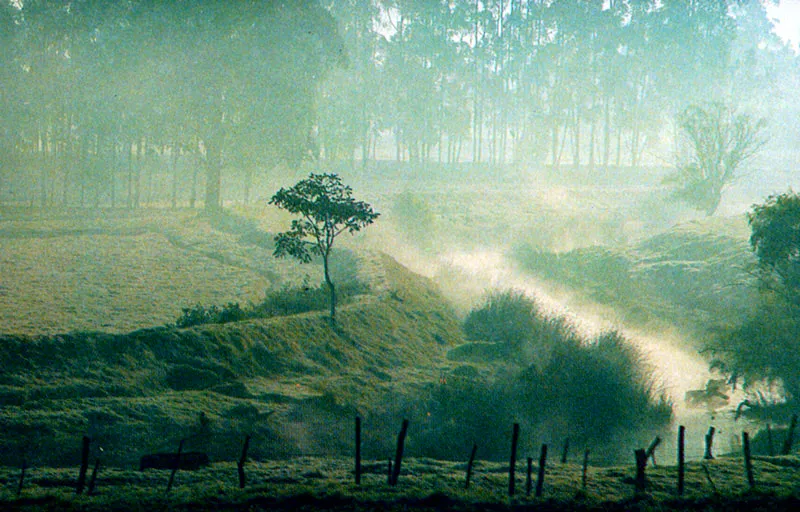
x=310 y=483
x=87 y=346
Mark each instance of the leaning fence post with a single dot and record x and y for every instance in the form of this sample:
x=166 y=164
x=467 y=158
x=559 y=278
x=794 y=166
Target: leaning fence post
x=398 y=458
x=470 y=463
x=748 y=463
x=93 y=478
x=84 y=465
x=650 y=453
x=787 y=445
x=540 y=478
x=681 y=459
x=241 y=462
x=175 y=466
x=358 y=450
x=513 y=460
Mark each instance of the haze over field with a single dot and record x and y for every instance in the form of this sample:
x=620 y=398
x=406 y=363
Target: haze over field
x=584 y=168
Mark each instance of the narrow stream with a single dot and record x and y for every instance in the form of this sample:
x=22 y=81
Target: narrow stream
x=676 y=368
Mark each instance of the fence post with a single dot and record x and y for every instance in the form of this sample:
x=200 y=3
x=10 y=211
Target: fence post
x=748 y=463
x=93 y=478
x=513 y=460
x=528 y=480
x=651 y=450
x=787 y=445
x=681 y=459
x=358 y=450
x=470 y=463
x=22 y=475
x=565 y=453
x=242 y=460
x=771 y=446
x=540 y=478
x=398 y=457
x=585 y=468
x=641 y=463
x=709 y=442
x=175 y=466
x=84 y=465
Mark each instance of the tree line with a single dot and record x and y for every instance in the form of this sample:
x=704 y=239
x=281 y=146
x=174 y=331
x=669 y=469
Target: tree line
x=114 y=102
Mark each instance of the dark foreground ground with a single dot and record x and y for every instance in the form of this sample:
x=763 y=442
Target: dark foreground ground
x=424 y=485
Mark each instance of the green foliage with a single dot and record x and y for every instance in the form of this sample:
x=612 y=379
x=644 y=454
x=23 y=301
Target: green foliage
x=287 y=300
x=775 y=240
x=765 y=346
x=326 y=209
x=720 y=141
x=556 y=384
x=199 y=315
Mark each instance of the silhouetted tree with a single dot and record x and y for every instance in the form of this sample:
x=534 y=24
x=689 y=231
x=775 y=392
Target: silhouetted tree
x=327 y=209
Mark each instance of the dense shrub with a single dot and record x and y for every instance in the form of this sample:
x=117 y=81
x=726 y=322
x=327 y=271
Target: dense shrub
x=598 y=392
x=288 y=300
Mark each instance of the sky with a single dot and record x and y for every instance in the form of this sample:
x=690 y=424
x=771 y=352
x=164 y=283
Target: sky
x=788 y=15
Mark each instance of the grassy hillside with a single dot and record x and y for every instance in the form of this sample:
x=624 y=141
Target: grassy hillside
x=293 y=382
x=692 y=276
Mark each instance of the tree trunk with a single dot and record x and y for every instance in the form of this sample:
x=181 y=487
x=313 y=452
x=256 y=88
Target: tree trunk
x=331 y=288
x=213 y=177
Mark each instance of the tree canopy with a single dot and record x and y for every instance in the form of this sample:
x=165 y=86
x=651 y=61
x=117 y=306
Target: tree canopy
x=326 y=208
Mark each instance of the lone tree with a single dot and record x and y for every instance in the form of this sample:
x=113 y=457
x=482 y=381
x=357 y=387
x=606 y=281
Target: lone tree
x=327 y=209
x=720 y=141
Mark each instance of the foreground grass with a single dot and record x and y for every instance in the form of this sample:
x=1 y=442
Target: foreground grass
x=327 y=484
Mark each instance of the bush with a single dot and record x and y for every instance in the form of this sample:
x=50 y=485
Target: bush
x=597 y=392
x=288 y=300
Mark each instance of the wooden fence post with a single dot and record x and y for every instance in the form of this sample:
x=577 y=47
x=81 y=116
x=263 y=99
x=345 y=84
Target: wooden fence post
x=22 y=475
x=709 y=442
x=681 y=459
x=651 y=450
x=358 y=450
x=240 y=463
x=585 y=468
x=513 y=460
x=84 y=465
x=540 y=478
x=771 y=445
x=175 y=466
x=748 y=463
x=641 y=463
x=787 y=445
x=398 y=457
x=470 y=463
x=93 y=478
x=565 y=453
x=529 y=480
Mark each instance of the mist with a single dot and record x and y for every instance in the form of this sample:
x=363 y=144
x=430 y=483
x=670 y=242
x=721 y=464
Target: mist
x=598 y=158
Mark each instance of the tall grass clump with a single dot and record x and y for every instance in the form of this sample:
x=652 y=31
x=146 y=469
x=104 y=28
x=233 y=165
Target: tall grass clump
x=541 y=373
